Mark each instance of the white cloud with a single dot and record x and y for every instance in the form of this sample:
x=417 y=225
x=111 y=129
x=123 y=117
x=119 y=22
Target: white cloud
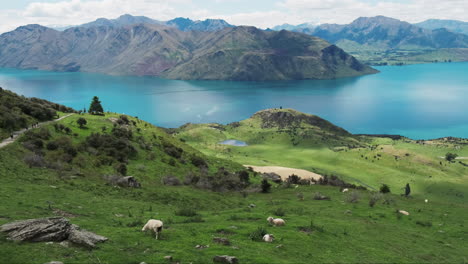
x=73 y=12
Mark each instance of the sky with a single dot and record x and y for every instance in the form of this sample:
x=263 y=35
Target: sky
x=259 y=13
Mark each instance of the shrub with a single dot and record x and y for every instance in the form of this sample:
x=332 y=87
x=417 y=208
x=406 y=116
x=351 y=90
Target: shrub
x=52 y=145
x=191 y=179
x=34 y=160
x=173 y=151
x=123 y=119
x=172 y=162
x=198 y=162
x=279 y=212
x=293 y=179
x=266 y=186
x=121 y=169
x=194 y=219
x=424 y=223
x=450 y=156
x=374 y=198
x=244 y=176
x=81 y=122
x=171 y=180
x=353 y=197
x=186 y=212
x=258 y=234
x=319 y=196
x=384 y=188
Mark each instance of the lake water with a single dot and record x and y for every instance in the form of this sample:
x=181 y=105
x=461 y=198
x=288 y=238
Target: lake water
x=234 y=142
x=418 y=101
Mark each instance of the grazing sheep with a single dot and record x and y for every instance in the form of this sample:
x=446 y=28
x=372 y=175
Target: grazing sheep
x=426 y=200
x=403 y=212
x=268 y=238
x=345 y=190
x=276 y=221
x=154 y=225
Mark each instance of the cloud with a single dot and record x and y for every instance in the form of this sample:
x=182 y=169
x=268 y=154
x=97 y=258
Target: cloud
x=74 y=12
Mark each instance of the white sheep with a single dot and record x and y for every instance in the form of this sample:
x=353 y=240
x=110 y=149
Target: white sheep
x=276 y=221
x=268 y=238
x=154 y=225
x=426 y=201
x=403 y=212
x=345 y=190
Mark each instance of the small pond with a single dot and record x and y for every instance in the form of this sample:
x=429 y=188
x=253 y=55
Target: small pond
x=233 y=142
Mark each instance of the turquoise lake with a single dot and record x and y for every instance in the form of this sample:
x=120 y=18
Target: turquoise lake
x=418 y=101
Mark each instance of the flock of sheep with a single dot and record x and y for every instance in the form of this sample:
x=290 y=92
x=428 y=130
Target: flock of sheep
x=157 y=225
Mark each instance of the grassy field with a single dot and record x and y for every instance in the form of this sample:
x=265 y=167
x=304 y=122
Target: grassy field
x=371 y=162
x=344 y=229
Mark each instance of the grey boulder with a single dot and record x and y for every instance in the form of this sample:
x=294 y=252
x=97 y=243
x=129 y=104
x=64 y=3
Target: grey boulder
x=52 y=229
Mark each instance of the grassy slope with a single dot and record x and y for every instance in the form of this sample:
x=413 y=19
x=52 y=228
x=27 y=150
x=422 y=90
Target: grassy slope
x=400 y=161
x=352 y=232
x=18 y=112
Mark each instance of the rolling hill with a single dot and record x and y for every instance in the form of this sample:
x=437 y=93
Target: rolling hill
x=201 y=198
x=233 y=53
x=288 y=138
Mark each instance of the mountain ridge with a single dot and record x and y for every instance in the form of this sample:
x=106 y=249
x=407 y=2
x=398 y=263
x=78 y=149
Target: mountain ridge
x=233 y=53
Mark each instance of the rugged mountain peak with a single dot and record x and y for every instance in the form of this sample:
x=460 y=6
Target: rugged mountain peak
x=371 y=22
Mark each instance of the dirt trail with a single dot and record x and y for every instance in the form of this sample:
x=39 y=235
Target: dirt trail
x=16 y=134
x=284 y=172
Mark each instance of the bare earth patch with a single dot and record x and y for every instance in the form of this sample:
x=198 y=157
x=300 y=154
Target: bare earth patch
x=284 y=172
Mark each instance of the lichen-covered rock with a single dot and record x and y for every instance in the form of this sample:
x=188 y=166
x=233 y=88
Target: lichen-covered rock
x=38 y=230
x=225 y=259
x=52 y=229
x=222 y=241
x=84 y=237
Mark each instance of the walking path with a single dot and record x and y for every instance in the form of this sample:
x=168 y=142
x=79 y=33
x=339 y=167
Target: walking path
x=16 y=134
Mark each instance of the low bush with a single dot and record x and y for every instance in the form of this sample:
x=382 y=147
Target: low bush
x=384 y=188
x=279 y=212
x=424 y=223
x=171 y=180
x=34 y=160
x=194 y=219
x=258 y=234
x=353 y=197
x=266 y=186
x=374 y=198
x=186 y=212
x=198 y=162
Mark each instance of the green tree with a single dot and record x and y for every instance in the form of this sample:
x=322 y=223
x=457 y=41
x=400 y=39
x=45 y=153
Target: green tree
x=81 y=121
x=450 y=156
x=384 y=188
x=96 y=108
x=407 y=190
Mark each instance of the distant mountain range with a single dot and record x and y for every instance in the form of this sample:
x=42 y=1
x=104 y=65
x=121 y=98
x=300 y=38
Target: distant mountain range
x=184 y=24
x=380 y=38
x=452 y=25
x=230 y=53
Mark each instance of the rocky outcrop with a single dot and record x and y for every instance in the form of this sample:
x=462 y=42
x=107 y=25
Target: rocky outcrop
x=225 y=259
x=52 y=229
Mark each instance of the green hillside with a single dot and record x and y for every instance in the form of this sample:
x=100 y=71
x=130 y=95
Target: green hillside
x=50 y=171
x=18 y=112
x=329 y=150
